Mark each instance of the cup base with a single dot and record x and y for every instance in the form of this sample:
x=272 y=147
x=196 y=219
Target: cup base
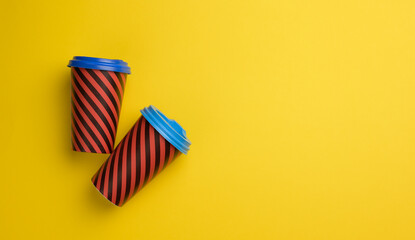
x=95 y=187
x=84 y=151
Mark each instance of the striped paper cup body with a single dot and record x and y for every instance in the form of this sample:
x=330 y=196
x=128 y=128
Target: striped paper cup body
x=96 y=103
x=137 y=159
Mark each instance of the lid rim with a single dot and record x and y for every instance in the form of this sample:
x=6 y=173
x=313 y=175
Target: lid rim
x=166 y=134
x=115 y=65
x=179 y=141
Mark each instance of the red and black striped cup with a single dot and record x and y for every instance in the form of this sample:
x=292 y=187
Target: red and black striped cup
x=151 y=144
x=97 y=91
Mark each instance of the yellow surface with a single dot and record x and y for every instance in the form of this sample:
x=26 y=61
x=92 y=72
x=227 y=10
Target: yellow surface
x=301 y=114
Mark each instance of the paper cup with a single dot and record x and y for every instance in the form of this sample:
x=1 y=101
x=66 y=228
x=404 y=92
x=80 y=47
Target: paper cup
x=151 y=144
x=97 y=93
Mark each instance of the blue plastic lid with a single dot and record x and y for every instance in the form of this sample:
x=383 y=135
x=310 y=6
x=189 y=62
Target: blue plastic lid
x=168 y=128
x=114 y=65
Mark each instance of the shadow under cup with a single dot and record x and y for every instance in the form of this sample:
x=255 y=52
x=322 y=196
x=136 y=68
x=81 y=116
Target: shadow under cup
x=151 y=144
x=97 y=92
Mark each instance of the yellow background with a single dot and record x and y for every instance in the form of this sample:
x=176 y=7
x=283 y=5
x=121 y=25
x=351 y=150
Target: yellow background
x=301 y=115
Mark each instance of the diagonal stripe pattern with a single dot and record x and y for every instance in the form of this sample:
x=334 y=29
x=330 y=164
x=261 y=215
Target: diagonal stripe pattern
x=96 y=104
x=137 y=159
